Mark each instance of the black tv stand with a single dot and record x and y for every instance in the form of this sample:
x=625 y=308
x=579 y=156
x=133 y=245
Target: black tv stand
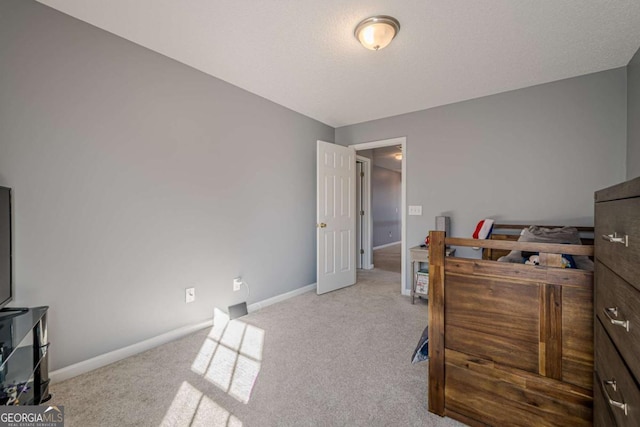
x=24 y=355
x=22 y=309
x=7 y=312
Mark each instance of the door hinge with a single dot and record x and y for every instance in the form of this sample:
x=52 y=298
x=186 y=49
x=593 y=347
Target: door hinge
x=362 y=213
x=362 y=174
x=361 y=251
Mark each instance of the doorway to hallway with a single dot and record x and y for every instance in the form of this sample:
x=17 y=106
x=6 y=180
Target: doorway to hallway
x=382 y=215
x=388 y=258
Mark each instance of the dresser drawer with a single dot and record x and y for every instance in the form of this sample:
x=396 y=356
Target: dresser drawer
x=602 y=416
x=618 y=387
x=617 y=305
x=617 y=237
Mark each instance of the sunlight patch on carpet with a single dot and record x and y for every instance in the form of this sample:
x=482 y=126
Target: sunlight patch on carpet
x=253 y=342
x=244 y=377
x=190 y=408
x=183 y=407
x=204 y=356
x=232 y=337
x=231 y=356
x=210 y=414
x=222 y=366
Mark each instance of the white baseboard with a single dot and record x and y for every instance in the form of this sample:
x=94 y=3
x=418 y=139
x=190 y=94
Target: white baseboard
x=386 y=246
x=122 y=353
x=262 y=304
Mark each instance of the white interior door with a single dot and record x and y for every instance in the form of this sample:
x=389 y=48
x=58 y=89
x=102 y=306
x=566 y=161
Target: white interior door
x=336 y=217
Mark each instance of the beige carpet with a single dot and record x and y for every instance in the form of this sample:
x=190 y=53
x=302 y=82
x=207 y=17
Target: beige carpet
x=388 y=258
x=339 y=359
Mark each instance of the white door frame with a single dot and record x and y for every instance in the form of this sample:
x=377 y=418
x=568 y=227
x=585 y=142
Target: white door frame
x=402 y=141
x=367 y=261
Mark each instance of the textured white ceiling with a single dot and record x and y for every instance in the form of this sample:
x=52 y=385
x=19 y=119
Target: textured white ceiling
x=302 y=53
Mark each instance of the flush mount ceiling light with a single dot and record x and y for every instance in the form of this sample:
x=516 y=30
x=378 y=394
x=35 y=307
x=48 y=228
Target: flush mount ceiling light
x=376 y=33
x=398 y=156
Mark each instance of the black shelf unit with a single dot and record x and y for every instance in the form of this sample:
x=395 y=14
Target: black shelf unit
x=24 y=366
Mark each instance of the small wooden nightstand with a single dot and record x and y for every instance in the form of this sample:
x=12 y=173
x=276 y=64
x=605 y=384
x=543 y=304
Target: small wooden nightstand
x=420 y=254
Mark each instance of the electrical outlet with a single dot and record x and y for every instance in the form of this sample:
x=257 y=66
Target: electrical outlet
x=189 y=295
x=237 y=282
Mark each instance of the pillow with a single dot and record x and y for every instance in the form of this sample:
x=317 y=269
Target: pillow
x=568 y=235
x=422 y=350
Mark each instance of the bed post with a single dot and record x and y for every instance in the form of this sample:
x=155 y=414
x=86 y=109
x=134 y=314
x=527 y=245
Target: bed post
x=436 y=322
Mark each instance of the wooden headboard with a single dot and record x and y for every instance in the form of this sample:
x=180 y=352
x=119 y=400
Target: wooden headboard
x=511 y=232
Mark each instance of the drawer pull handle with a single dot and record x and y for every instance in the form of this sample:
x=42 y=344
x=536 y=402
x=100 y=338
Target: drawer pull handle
x=612 y=402
x=614 y=238
x=614 y=311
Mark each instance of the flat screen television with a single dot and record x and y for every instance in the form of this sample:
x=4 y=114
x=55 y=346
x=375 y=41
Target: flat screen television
x=6 y=276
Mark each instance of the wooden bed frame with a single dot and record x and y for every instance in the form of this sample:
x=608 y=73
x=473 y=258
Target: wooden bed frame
x=510 y=344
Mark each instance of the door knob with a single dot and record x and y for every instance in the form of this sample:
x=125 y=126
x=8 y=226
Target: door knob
x=321 y=225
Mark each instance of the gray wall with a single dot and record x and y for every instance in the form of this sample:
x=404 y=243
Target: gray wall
x=366 y=153
x=534 y=155
x=633 y=118
x=135 y=177
x=386 y=199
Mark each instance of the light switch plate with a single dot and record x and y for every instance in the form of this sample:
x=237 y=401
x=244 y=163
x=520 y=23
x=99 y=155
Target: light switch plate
x=415 y=210
x=189 y=295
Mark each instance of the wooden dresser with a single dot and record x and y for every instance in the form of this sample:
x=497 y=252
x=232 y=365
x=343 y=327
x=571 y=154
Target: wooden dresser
x=617 y=305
